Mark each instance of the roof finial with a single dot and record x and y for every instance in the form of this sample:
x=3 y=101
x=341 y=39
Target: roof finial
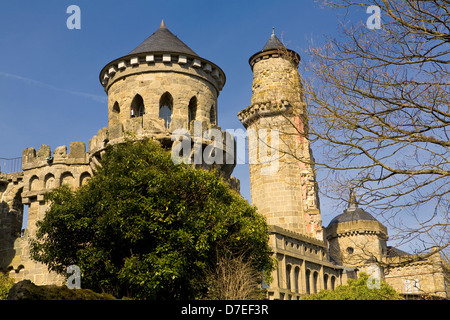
x=352 y=203
x=163 y=25
x=273 y=31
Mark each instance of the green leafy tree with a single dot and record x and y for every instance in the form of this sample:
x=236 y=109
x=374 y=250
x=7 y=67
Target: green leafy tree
x=358 y=289
x=146 y=228
x=6 y=284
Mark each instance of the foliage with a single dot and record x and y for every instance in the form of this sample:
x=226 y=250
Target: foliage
x=357 y=289
x=146 y=228
x=6 y=284
x=26 y=290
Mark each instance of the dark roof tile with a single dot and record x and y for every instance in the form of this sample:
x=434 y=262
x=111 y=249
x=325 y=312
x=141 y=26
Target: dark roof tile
x=356 y=214
x=162 y=40
x=273 y=43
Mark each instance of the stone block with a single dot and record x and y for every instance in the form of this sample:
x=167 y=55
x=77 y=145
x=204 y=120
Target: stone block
x=44 y=152
x=116 y=131
x=134 y=61
x=112 y=70
x=215 y=74
x=28 y=155
x=182 y=59
x=121 y=65
x=207 y=67
x=197 y=63
x=60 y=153
x=77 y=149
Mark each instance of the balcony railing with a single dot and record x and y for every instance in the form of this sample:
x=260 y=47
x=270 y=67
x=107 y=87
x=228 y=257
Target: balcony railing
x=10 y=165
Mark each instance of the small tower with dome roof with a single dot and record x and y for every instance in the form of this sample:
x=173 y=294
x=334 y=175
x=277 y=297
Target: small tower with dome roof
x=355 y=237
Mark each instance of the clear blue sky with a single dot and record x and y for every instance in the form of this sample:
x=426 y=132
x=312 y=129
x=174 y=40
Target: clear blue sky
x=49 y=88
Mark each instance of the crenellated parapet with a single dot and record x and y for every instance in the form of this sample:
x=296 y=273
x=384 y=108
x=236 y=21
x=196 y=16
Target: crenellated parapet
x=269 y=108
x=44 y=170
x=211 y=139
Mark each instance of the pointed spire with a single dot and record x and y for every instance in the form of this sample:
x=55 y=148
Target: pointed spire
x=352 y=203
x=273 y=42
x=162 y=40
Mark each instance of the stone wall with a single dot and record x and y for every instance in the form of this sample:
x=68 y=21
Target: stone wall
x=11 y=215
x=303 y=266
x=417 y=275
x=43 y=171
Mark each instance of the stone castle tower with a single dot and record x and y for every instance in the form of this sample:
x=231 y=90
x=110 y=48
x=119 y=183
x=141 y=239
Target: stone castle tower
x=355 y=237
x=284 y=189
x=163 y=86
x=159 y=87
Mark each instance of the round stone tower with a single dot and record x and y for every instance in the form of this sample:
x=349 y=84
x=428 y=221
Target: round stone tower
x=161 y=86
x=282 y=176
x=356 y=238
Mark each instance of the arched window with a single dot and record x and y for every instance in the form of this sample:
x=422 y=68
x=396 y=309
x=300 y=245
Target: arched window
x=296 y=278
x=192 y=110
x=49 y=181
x=137 y=107
x=307 y=276
x=288 y=277
x=67 y=178
x=212 y=115
x=84 y=178
x=116 y=108
x=315 y=276
x=34 y=183
x=333 y=281
x=325 y=281
x=165 y=108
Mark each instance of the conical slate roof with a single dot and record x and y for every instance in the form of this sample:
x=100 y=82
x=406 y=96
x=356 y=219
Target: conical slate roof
x=162 y=40
x=273 y=43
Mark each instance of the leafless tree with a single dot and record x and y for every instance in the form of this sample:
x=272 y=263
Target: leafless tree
x=378 y=115
x=235 y=278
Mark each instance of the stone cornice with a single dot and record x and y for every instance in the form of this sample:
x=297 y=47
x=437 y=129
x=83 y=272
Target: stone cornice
x=256 y=110
x=162 y=62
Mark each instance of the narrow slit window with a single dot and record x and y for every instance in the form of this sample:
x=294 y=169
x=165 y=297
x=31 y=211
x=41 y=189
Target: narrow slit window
x=212 y=115
x=192 y=110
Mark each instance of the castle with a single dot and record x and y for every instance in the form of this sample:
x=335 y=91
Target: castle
x=163 y=85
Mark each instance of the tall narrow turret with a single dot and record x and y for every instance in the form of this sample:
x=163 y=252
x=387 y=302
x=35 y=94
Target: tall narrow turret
x=282 y=176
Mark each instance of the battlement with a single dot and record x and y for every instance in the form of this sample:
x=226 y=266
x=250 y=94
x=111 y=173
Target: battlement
x=137 y=129
x=43 y=157
x=43 y=171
